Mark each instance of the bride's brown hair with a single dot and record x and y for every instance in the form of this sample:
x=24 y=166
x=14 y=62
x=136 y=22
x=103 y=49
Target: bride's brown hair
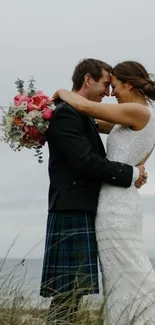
x=136 y=75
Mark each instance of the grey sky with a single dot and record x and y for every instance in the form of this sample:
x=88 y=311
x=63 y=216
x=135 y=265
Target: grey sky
x=47 y=39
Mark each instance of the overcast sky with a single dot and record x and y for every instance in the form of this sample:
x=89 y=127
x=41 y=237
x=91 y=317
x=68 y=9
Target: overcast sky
x=47 y=39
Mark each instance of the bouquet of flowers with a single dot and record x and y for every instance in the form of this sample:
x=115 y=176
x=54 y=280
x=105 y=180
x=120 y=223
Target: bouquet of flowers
x=25 y=123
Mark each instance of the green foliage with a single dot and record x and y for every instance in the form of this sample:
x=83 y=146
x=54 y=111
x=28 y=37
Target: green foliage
x=20 y=85
x=31 y=87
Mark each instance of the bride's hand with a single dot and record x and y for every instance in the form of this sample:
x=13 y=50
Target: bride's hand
x=55 y=96
x=78 y=102
x=59 y=94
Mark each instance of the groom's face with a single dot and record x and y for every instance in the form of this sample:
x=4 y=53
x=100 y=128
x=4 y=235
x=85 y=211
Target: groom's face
x=96 y=90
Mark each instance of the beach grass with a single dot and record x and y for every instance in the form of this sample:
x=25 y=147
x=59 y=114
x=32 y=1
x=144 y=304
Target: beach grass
x=14 y=316
x=15 y=309
x=18 y=311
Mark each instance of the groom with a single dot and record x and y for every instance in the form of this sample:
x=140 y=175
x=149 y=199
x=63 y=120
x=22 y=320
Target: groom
x=77 y=168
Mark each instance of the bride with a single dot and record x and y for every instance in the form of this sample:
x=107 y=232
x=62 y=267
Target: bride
x=128 y=277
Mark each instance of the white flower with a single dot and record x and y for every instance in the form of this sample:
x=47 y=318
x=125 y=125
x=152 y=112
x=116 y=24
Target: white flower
x=8 y=123
x=23 y=105
x=29 y=117
x=14 y=107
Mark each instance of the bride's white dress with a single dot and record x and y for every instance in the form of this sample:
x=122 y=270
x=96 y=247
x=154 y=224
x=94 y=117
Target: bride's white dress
x=128 y=276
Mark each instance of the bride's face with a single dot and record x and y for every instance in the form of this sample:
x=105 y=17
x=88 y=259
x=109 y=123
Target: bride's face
x=121 y=91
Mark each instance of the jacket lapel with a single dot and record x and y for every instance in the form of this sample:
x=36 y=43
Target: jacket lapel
x=98 y=136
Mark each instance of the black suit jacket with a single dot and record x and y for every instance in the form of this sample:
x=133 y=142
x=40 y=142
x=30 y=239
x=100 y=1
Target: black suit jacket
x=77 y=162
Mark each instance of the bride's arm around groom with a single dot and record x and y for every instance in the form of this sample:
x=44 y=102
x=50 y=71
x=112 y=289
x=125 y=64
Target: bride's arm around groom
x=79 y=147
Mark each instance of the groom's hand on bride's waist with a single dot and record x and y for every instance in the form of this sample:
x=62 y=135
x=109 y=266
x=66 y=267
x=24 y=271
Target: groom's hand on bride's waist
x=142 y=179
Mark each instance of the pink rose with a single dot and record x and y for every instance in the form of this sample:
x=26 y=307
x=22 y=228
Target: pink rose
x=19 y=99
x=47 y=114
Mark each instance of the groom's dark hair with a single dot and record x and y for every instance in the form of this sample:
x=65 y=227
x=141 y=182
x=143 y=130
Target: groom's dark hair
x=93 y=67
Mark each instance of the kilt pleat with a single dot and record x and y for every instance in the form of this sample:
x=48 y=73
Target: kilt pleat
x=70 y=257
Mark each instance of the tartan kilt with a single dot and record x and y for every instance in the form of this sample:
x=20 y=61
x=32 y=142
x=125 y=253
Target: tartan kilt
x=70 y=257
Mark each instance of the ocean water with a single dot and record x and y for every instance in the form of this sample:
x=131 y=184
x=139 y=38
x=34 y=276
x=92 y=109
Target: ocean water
x=22 y=279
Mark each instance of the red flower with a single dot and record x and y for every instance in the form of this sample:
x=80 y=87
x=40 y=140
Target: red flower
x=24 y=140
x=40 y=100
x=31 y=107
x=44 y=103
x=47 y=114
x=42 y=139
x=33 y=132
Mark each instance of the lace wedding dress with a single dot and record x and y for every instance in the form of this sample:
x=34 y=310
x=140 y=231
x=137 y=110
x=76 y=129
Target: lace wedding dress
x=128 y=276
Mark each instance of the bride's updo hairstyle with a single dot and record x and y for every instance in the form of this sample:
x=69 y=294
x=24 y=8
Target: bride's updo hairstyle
x=135 y=74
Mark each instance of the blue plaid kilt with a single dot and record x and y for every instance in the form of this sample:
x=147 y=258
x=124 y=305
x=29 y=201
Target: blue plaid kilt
x=70 y=258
